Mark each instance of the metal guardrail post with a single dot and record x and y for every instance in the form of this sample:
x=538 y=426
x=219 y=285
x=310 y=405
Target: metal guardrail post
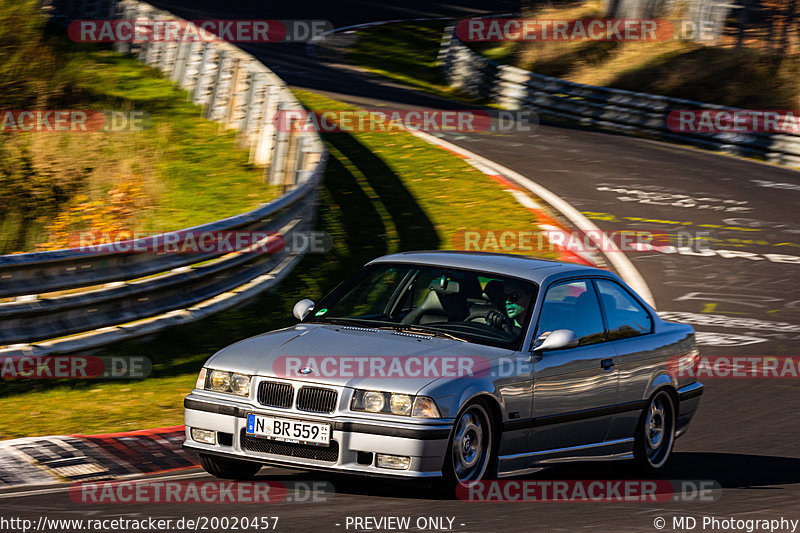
x=151 y=50
x=140 y=50
x=234 y=108
x=280 y=153
x=216 y=91
x=168 y=57
x=291 y=157
x=249 y=109
x=123 y=13
x=199 y=95
x=184 y=78
x=266 y=140
x=180 y=61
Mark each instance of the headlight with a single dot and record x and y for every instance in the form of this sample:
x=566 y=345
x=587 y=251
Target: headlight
x=392 y=403
x=221 y=381
x=240 y=384
x=373 y=401
x=400 y=404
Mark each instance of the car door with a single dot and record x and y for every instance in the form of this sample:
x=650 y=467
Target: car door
x=629 y=327
x=575 y=389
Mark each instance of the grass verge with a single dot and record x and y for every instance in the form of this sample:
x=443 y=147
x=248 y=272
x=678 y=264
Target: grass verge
x=384 y=192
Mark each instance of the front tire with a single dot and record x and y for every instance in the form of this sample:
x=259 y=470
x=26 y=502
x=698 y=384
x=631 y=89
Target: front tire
x=470 y=454
x=655 y=433
x=229 y=468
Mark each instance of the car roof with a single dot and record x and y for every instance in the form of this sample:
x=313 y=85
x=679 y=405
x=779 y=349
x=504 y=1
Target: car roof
x=518 y=266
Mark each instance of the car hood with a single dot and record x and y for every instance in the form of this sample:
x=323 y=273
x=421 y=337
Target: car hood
x=334 y=352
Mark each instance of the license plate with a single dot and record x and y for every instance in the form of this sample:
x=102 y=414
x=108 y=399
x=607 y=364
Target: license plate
x=288 y=430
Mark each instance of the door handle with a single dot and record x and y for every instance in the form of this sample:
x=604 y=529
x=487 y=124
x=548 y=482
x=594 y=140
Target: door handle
x=607 y=364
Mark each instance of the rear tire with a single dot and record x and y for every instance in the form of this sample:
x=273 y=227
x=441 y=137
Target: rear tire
x=229 y=468
x=655 y=433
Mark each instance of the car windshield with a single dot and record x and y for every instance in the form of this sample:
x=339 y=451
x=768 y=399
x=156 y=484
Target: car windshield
x=471 y=306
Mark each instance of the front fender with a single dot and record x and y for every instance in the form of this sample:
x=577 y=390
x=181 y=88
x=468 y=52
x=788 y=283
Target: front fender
x=451 y=397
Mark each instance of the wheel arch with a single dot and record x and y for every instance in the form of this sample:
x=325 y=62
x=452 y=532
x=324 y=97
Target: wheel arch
x=495 y=412
x=662 y=380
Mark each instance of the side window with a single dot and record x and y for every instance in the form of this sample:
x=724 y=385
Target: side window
x=572 y=305
x=624 y=315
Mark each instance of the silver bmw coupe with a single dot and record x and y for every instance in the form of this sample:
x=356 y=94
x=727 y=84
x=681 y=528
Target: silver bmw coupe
x=454 y=366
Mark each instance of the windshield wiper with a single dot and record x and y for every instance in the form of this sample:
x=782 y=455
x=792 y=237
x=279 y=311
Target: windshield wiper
x=374 y=324
x=429 y=330
x=355 y=323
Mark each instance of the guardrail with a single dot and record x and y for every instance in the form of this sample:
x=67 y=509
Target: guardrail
x=613 y=109
x=68 y=300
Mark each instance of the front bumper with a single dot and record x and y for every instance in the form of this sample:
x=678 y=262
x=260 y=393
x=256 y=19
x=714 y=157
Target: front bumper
x=425 y=443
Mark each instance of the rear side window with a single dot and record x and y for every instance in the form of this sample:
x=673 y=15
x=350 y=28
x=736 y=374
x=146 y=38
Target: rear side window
x=624 y=315
x=572 y=305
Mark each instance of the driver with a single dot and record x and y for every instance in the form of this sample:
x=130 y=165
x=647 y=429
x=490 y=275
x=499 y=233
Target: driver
x=517 y=299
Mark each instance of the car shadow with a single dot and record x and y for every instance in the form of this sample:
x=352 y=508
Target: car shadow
x=729 y=470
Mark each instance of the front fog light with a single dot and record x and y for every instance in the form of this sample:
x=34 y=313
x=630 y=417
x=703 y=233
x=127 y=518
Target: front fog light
x=373 y=401
x=240 y=384
x=395 y=462
x=220 y=381
x=204 y=435
x=400 y=404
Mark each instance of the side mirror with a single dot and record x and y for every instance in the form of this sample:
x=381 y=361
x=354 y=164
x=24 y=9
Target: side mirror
x=559 y=339
x=302 y=308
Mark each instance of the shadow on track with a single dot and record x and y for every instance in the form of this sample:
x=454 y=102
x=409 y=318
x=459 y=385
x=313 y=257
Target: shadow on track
x=731 y=471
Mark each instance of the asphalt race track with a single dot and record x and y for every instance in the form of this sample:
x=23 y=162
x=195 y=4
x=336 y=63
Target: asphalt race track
x=746 y=433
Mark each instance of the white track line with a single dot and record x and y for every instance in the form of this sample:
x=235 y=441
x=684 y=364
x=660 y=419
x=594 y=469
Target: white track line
x=608 y=248
x=65 y=487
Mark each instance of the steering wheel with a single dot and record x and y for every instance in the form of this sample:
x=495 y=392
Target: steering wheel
x=492 y=318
